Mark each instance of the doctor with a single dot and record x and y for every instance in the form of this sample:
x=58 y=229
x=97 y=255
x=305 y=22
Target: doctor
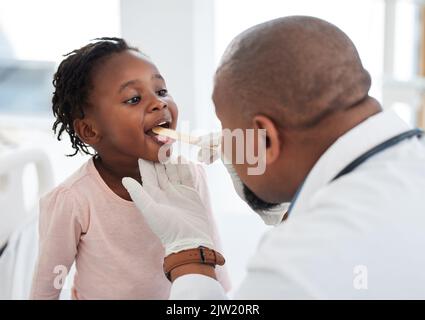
x=354 y=174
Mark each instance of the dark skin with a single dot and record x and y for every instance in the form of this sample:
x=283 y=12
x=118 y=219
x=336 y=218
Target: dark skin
x=301 y=79
x=304 y=83
x=290 y=153
x=129 y=97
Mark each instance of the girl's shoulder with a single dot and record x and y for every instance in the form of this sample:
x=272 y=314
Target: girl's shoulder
x=67 y=203
x=72 y=187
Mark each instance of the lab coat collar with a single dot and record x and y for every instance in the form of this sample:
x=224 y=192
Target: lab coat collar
x=368 y=134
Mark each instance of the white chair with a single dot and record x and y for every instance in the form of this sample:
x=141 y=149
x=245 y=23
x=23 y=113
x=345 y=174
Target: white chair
x=12 y=205
x=18 y=224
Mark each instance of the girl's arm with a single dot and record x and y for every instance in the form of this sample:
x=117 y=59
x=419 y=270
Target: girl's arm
x=60 y=228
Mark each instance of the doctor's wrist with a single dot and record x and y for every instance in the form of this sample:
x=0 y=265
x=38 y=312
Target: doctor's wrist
x=200 y=260
x=193 y=268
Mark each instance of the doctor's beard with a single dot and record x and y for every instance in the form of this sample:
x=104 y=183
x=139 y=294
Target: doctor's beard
x=255 y=202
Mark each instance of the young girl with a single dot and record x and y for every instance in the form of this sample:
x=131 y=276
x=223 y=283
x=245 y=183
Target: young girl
x=108 y=96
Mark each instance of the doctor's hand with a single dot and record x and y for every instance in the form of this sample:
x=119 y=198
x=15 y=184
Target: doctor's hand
x=210 y=150
x=171 y=205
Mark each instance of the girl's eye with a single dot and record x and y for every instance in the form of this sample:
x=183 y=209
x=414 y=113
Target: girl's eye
x=134 y=100
x=162 y=92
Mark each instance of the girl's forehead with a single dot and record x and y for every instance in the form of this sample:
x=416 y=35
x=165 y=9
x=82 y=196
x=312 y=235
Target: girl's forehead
x=128 y=60
x=123 y=66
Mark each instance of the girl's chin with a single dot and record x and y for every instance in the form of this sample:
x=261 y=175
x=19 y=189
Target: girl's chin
x=156 y=152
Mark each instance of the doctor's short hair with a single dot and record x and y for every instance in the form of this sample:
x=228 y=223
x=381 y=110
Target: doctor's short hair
x=72 y=85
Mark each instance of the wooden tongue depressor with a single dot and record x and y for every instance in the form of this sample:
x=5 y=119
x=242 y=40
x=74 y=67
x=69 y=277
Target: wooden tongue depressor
x=176 y=135
x=211 y=140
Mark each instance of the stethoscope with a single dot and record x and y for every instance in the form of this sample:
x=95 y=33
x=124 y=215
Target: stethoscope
x=365 y=156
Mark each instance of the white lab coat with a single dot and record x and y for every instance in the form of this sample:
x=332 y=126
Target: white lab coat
x=359 y=237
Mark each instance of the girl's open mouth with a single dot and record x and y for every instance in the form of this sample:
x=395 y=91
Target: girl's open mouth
x=157 y=138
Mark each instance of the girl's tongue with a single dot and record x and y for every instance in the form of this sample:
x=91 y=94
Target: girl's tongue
x=158 y=138
x=164 y=140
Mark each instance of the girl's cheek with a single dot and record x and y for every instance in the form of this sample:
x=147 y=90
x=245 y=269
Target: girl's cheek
x=175 y=113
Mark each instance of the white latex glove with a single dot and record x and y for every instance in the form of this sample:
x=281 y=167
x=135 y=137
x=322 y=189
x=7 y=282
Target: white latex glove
x=171 y=205
x=210 y=150
x=210 y=147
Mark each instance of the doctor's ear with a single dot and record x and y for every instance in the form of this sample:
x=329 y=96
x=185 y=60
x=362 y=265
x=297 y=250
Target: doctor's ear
x=86 y=130
x=273 y=144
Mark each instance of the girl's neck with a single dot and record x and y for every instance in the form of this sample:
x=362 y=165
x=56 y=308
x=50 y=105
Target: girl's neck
x=117 y=168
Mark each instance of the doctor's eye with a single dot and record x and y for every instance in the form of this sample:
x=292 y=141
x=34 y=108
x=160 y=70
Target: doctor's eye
x=162 y=92
x=133 y=101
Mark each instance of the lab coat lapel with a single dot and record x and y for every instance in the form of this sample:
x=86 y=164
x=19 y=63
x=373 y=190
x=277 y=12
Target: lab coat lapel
x=348 y=147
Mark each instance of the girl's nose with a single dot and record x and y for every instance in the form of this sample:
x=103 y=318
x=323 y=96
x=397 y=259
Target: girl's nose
x=157 y=105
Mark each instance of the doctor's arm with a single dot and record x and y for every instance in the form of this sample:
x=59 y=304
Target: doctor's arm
x=188 y=233
x=172 y=188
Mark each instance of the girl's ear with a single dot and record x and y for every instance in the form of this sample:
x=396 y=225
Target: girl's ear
x=86 y=130
x=273 y=144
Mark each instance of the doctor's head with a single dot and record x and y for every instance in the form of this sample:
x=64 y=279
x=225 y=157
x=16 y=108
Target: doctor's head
x=301 y=79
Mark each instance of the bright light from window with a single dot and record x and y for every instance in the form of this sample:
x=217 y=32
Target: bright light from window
x=405 y=49
x=47 y=29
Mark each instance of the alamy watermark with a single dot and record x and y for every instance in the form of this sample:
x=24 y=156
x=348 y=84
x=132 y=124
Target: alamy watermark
x=238 y=146
x=360 y=279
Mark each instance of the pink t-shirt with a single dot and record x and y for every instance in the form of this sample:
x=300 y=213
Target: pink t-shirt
x=116 y=254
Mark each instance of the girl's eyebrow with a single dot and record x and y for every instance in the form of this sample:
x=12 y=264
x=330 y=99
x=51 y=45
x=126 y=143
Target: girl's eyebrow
x=157 y=76
x=126 y=84
x=135 y=81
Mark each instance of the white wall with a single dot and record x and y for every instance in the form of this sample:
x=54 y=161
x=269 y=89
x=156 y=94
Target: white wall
x=178 y=36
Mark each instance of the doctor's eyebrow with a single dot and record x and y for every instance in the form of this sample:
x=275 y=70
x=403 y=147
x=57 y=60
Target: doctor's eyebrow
x=135 y=81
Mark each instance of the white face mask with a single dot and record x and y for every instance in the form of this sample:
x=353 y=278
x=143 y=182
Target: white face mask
x=272 y=214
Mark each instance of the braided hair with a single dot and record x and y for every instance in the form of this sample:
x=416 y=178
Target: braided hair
x=72 y=84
